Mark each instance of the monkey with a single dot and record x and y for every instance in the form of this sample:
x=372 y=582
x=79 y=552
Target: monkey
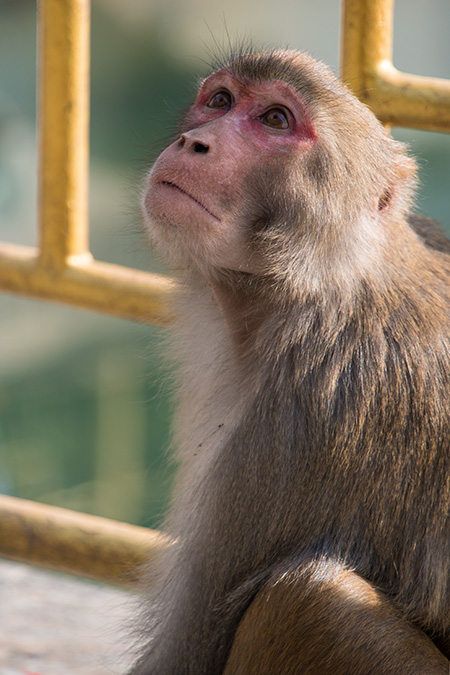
x=310 y=526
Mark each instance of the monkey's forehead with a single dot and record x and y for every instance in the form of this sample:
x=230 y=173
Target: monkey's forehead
x=296 y=68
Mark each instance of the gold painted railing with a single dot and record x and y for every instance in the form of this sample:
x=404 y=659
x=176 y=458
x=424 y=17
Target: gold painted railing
x=63 y=269
x=398 y=99
x=90 y=546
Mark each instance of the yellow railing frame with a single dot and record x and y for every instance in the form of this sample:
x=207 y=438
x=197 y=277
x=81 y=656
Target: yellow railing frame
x=396 y=98
x=63 y=269
x=97 y=548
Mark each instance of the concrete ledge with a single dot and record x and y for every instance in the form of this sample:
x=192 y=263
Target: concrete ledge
x=51 y=624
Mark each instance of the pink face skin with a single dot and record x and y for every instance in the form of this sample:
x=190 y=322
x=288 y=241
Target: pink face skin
x=195 y=185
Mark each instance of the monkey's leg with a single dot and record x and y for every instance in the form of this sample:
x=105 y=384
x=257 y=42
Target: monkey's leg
x=322 y=619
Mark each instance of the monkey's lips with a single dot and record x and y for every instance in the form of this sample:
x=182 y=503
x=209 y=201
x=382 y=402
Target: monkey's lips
x=174 y=186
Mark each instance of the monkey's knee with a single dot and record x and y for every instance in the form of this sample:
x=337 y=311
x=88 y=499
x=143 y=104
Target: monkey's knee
x=322 y=619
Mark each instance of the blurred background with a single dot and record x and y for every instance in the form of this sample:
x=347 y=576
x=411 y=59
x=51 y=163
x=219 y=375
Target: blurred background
x=84 y=402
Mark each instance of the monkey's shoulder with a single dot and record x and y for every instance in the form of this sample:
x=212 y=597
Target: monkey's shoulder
x=430 y=232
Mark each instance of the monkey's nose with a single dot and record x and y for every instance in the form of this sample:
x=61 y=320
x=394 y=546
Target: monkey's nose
x=193 y=144
x=201 y=147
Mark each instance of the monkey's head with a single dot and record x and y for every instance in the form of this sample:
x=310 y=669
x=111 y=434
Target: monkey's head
x=278 y=170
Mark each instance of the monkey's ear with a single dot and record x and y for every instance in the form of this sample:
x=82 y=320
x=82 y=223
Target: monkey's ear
x=385 y=199
x=399 y=192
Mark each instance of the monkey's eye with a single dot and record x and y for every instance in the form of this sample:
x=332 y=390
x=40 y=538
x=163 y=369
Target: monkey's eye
x=220 y=101
x=275 y=118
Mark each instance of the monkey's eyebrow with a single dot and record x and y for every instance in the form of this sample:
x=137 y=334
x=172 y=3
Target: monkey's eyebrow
x=221 y=78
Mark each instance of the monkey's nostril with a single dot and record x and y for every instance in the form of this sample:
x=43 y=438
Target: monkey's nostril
x=201 y=147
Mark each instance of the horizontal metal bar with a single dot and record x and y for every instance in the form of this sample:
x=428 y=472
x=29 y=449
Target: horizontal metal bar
x=401 y=99
x=87 y=283
x=76 y=543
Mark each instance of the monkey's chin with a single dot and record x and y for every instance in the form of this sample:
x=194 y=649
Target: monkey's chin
x=175 y=233
x=187 y=234
x=166 y=202
x=180 y=193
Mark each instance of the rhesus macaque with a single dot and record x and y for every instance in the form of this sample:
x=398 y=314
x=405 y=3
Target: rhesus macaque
x=311 y=523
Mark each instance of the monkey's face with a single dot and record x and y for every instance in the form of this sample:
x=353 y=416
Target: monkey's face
x=195 y=200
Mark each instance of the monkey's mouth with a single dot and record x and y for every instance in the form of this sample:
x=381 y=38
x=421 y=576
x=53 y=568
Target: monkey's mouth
x=177 y=187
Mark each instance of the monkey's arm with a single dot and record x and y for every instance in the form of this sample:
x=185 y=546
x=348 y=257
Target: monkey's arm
x=322 y=619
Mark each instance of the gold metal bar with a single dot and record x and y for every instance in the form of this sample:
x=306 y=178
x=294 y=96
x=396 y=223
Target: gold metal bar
x=77 y=543
x=366 y=41
x=103 y=287
x=63 y=129
x=401 y=99
x=63 y=269
x=397 y=98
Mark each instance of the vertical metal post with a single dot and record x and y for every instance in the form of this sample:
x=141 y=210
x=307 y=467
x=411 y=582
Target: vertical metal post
x=63 y=130
x=366 y=40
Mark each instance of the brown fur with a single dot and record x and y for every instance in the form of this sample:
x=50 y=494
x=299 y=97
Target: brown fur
x=312 y=512
x=323 y=618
